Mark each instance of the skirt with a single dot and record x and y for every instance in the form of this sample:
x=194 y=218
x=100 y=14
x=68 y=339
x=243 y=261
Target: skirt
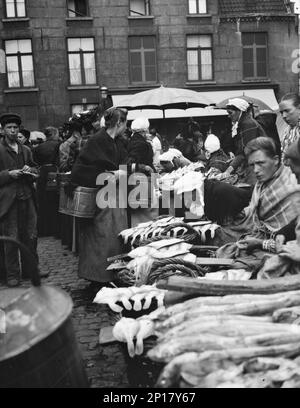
x=98 y=240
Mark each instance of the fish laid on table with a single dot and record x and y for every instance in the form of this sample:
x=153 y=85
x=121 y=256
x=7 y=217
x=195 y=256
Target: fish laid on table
x=127 y=296
x=125 y=330
x=211 y=360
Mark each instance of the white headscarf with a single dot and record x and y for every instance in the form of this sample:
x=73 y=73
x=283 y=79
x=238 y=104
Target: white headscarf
x=212 y=143
x=239 y=103
x=139 y=124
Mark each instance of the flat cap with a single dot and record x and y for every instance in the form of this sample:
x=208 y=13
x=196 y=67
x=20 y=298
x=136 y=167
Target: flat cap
x=10 y=118
x=293 y=151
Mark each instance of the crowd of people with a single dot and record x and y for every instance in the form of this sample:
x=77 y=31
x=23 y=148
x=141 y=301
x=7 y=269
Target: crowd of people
x=254 y=173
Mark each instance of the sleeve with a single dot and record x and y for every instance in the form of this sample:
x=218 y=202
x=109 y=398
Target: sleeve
x=5 y=178
x=288 y=231
x=30 y=161
x=247 y=135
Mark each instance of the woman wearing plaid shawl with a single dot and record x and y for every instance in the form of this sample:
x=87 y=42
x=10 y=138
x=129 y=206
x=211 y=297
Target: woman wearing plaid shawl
x=287 y=259
x=274 y=204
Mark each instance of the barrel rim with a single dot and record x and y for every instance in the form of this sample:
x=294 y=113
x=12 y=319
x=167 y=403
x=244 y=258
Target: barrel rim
x=42 y=336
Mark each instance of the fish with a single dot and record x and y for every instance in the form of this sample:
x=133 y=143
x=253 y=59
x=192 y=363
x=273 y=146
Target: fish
x=165 y=351
x=146 y=329
x=125 y=331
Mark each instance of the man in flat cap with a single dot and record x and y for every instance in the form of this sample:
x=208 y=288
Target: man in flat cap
x=17 y=207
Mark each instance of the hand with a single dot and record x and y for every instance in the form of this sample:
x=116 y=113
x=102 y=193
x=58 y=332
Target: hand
x=291 y=251
x=15 y=173
x=250 y=244
x=26 y=168
x=145 y=169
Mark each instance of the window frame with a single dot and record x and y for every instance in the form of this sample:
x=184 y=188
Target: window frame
x=82 y=68
x=199 y=49
x=197 y=12
x=147 y=8
x=143 y=66
x=20 y=71
x=78 y=16
x=254 y=47
x=15 y=7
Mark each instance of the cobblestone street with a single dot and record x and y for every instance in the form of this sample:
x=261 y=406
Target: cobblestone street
x=105 y=365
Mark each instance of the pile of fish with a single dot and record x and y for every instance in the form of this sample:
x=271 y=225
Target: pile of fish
x=140 y=266
x=131 y=298
x=230 y=341
x=156 y=229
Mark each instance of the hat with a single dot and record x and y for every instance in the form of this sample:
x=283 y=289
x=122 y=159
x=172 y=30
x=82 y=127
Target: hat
x=238 y=103
x=6 y=118
x=212 y=143
x=139 y=124
x=293 y=151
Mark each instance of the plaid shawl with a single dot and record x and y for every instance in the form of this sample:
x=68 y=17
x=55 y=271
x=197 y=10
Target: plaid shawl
x=290 y=136
x=276 y=203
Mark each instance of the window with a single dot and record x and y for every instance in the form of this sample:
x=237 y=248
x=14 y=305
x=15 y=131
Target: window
x=197 y=6
x=199 y=58
x=139 y=7
x=81 y=55
x=142 y=57
x=77 y=8
x=15 y=8
x=19 y=63
x=255 y=60
x=82 y=107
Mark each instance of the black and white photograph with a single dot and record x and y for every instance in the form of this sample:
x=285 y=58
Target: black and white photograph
x=149 y=197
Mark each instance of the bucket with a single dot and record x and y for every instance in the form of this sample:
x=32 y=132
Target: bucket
x=82 y=204
x=38 y=348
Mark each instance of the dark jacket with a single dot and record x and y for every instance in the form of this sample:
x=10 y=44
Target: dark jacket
x=101 y=153
x=189 y=149
x=267 y=120
x=8 y=185
x=248 y=129
x=139 y=150
x=218 y=160
x=47 y=153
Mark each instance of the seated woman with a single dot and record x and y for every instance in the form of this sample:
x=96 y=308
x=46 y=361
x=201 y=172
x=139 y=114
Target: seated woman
x=190 y=142
x=274 y=203
x=287 y=260
x=217 y=159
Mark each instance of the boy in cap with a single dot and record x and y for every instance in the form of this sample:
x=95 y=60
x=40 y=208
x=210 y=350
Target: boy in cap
x=17 y=208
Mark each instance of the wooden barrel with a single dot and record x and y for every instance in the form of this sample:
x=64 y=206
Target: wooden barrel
x=39 y=347
x=82 y=204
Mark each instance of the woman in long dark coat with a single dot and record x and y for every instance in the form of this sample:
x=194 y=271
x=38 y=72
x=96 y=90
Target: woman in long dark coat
x=98 y=237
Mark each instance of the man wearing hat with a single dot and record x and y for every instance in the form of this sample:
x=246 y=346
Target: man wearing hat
x=17 y=208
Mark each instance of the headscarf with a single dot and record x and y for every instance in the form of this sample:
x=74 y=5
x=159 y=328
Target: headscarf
x=140 y=124
x=238 y=103
x=212 y=143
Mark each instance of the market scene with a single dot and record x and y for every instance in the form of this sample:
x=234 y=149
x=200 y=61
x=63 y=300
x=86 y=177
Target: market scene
x=149 y=194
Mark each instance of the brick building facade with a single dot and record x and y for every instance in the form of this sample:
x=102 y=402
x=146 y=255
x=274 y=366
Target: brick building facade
x=60 y=52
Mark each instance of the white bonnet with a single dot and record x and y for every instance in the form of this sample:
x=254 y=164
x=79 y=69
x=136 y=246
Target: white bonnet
x=139 y=124
x=212 y=143
x=239 y=103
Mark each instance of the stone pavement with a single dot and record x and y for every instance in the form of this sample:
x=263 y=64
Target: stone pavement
x=105 y=365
